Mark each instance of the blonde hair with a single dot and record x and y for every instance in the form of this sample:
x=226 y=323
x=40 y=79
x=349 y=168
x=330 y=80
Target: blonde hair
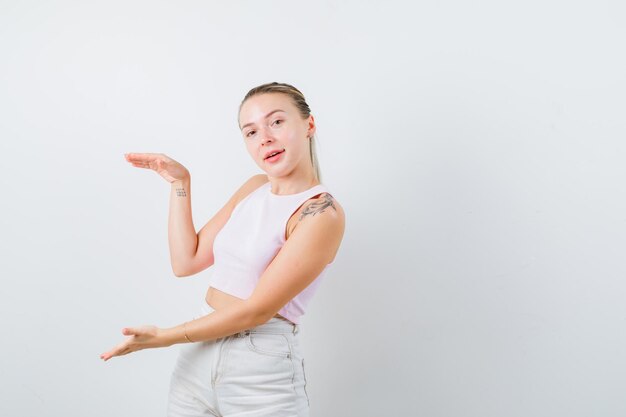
x=303 y=108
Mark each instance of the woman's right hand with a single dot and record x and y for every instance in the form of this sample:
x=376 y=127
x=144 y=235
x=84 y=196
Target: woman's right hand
x=160 y=163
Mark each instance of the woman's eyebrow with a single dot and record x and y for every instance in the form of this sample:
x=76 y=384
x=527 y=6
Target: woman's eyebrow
x=266 y=116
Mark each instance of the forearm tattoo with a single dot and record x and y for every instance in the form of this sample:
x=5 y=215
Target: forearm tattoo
x=318 y=206
x=180 y=192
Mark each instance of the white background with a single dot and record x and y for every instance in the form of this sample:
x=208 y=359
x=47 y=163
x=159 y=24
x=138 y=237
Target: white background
x=477 y=149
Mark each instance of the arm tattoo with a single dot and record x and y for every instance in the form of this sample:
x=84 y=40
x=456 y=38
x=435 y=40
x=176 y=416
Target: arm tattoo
x=318 y=206
x=180 y=192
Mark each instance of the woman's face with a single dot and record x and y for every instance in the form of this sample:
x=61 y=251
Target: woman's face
x=270 y=122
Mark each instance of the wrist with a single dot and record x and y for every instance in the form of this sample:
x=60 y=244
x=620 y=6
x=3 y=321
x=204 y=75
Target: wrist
x=174 y=335
x=183 y=181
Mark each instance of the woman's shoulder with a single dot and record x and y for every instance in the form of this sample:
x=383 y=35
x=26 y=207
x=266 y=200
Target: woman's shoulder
x=256 y=181
x=325 y=207
x=321 y=218
x=327 y=198
x=323 y=201
x=251 y=184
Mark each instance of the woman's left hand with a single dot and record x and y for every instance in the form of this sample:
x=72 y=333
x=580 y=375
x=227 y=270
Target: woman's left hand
x=142 y=337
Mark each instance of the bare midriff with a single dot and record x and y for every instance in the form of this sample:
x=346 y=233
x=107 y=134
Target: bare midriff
x=219 y=299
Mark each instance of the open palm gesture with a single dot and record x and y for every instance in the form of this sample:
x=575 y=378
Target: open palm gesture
x=140 y=337
x=162 y=164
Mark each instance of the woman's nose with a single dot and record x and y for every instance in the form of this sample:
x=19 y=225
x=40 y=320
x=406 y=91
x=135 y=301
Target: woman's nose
x=267 y=137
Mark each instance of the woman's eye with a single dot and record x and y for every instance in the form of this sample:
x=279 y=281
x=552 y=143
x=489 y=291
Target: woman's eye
x=248 y=134
x=276 y=121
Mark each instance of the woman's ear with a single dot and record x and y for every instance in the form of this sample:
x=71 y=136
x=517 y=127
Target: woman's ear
x=311 y=129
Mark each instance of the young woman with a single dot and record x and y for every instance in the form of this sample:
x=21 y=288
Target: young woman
x=269 y=246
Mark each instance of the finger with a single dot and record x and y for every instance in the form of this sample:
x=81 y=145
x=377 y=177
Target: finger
x=130 y=331
x=141 y=157
x=126 y=351
x=117 y=349
x=140 y=165
x=108 y=355
x=154 y=164
x=115 y=352
x=140 y=160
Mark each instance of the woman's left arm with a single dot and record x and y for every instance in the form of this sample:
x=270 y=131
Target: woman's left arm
x=311 y=246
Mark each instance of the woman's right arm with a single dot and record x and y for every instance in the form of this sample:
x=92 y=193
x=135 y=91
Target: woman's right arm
x=181 y=233
x=182 y=236
x=190 y=253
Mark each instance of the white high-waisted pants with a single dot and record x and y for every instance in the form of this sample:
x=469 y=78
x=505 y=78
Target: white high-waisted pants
x=256 y=372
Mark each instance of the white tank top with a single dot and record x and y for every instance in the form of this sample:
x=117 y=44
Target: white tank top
x=250 y=240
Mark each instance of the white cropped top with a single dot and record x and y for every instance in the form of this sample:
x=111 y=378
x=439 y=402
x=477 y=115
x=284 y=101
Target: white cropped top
x=251 y=238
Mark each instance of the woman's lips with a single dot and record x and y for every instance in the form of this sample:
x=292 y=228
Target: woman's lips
x=275 y=157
